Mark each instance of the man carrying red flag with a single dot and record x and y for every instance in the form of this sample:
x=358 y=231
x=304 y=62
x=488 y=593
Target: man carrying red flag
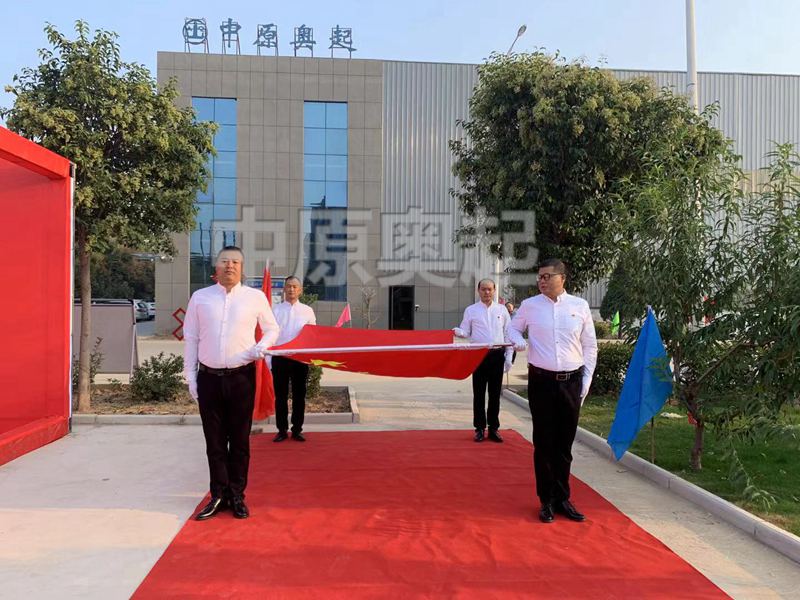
x=292 y=315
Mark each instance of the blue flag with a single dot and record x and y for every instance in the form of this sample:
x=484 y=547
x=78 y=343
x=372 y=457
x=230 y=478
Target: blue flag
x=648 y=384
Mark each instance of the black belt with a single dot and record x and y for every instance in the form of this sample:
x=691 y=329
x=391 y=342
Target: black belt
x=222 y=372
x=557 y=375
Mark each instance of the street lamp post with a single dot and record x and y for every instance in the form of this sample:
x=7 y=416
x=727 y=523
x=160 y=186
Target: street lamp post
x=520 y=31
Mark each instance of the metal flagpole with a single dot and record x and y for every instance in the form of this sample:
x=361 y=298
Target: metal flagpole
x=352 y=349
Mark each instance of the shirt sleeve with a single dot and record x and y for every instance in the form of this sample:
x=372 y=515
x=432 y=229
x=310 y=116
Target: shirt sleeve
x=312 y=320
x=506 y=337
x=518 y=325
x=191 y=340
x=465 y=329
x=589 y=345
x=269 y=326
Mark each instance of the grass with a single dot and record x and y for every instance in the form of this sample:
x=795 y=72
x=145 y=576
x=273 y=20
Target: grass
x=774 y=466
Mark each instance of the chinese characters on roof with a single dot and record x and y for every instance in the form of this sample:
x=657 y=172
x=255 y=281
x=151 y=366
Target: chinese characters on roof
x=195 y=33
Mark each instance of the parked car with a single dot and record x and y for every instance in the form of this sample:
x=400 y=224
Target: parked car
x=140 y=307
x=151 y=310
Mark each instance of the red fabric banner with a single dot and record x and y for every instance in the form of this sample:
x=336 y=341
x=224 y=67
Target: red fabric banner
x=345 y=316
x=448 y=363
x=265 y=390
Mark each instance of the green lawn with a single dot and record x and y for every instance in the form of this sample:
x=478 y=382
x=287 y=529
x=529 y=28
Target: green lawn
x=775 y=467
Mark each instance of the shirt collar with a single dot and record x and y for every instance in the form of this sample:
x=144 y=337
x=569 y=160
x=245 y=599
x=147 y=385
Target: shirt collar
x=560 y=298
x=234 y=289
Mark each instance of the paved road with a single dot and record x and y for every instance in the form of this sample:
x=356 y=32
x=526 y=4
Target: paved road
x=88 y=516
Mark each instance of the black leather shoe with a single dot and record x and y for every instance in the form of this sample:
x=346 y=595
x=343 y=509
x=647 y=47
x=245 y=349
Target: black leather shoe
x=495 y=436
x=280 y=436
x=546 y=513
x=479 y=435
x=298 y=436
x=213 y=507
x=568 y=510
x=239 y=508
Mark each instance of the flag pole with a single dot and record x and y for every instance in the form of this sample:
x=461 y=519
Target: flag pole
x=352 y=349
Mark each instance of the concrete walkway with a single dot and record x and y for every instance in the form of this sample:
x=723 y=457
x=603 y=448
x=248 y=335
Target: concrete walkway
x=88 y=516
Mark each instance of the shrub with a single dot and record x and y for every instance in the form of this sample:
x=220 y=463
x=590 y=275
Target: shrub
x=157 y=379
x=602 y=330
x=95 y=362
x=612 y=362
x=314 y=377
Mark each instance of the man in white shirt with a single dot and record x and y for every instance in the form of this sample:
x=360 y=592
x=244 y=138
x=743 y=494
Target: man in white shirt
x=219 y=350
x=486 y=322
x=292 y=316
x=562 y=355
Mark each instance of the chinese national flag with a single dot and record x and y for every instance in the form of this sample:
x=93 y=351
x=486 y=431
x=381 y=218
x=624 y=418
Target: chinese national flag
x=324 y=347
x=265 y=392
x=345 y=316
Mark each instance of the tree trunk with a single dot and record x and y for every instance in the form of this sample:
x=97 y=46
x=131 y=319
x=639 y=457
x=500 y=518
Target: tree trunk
x=697 y=450
x=84 y=351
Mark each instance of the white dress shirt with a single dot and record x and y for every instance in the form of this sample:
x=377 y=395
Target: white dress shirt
x=560 y=334
x=219 y=328
x=291 y=319
x=486 y=325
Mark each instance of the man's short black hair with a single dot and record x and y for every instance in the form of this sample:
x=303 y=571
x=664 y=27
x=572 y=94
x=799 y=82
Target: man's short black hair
x=297 y=279
x=236 y=248
x=557 y=264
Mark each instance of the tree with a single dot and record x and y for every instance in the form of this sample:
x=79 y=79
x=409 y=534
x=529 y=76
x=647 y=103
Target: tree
x=368 y=316
x=564 y=140
x=116 y=273
x=140 y=159
x=721 y=271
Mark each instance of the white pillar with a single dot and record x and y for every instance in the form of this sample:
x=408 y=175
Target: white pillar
x=691 y=56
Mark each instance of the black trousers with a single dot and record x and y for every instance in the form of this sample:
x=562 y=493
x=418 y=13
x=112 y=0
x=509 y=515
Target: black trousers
x=555 y=407
x=285 y=371
x=489 y=374
x=226 y=409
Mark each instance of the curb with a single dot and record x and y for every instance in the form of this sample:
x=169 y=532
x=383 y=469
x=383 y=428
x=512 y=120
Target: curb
x=354 y=416
x=768 y=534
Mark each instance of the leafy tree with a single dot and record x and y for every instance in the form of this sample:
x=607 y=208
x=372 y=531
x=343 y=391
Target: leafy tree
x=140 y=159
x=721 y=271
x=566 y=140
x=118 y=274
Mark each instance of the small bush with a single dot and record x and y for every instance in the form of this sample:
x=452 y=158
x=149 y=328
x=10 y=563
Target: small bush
x=612 y=362
x=314 y=378
x=157 y=379
x=95 y=362
x=602 y=330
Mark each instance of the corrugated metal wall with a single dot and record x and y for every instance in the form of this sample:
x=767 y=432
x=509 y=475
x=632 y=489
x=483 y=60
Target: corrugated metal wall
x=422 y=102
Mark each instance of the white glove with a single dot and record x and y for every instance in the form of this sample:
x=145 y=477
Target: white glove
x=193 y=390
x=584 y=391
x=520 y=347
x=458 y=332
x=255 y=353
x=507 y=366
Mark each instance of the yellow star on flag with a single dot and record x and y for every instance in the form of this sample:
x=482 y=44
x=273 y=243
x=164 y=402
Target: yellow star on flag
x=326 y=363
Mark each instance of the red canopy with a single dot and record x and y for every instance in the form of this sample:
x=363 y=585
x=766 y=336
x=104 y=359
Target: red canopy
x=336 y=344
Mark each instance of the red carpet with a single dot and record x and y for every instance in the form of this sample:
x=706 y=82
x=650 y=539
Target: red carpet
x=412 y=514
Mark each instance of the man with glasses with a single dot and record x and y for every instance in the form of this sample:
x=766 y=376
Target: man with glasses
x=562 y=354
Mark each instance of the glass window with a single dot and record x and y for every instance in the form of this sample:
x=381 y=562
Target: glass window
x=336 y=115
x=314 y=114
x=203 y=109
x=336 y=194
x=224 y=191
x=225 y=111
x=313 y=193
x=336 y=141
x=204 y=216
x=313 y=141
x=335 y=168
x=225 y=138
x=208 y=195
x=314 y=167
x=225 y=164
x=224 y=212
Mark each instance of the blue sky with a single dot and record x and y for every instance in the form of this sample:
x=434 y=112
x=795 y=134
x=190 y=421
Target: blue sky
x=732 y=35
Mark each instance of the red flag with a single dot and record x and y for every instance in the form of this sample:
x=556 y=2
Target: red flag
x=345 y=316
x=447 y=363
x=265 y=391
